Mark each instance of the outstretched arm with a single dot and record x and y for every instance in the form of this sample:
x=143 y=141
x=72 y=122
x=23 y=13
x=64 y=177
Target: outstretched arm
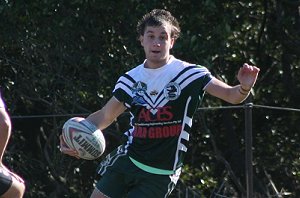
x=101 y=118
x=104 y=117
x=247 y=76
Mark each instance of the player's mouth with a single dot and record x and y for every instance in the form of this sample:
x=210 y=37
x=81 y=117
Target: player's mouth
x=155 y=52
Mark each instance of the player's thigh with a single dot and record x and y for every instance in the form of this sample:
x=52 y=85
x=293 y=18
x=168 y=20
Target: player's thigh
x=98 y=194
x=158 y=186
x=111 y=184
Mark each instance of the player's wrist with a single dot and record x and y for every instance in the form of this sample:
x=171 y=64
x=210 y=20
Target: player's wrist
x=243 y=90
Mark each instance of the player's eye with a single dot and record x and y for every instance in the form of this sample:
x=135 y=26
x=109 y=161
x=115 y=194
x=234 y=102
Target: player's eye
x=151 y=36
x=163 y=37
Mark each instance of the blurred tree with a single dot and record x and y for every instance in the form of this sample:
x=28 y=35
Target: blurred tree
x=64 y=57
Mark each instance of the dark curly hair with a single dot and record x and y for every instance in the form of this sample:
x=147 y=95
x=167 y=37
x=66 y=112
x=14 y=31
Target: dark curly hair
x=156 y=18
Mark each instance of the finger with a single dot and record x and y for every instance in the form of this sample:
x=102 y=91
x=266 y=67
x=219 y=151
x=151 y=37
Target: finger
x=246 y=65
x=63 y=144
x=256 y=69
x=250 y=69
x=62 y=141
x=64 y=148
x=69 y=151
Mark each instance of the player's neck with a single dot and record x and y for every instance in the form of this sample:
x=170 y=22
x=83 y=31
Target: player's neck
x=155 y=64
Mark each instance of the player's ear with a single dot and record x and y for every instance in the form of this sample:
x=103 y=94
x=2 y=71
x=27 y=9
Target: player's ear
x=141 y=39
x=172 y=43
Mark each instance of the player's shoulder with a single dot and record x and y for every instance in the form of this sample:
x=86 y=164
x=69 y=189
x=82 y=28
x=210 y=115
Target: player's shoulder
x=132 y=73
x=189 y=66
x=201 y=68
x=135 y=69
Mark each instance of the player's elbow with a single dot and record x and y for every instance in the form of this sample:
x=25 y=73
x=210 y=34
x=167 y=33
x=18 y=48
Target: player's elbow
x=5 y=125
x=237 y=101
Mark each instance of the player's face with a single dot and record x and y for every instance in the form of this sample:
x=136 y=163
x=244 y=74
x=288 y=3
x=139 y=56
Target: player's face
x=157 y=43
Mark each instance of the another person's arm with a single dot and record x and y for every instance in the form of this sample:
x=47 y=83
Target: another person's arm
x=5 y=129
x=17 y=187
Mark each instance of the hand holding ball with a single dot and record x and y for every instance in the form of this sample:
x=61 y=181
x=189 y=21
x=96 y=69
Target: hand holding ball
x=84 y=137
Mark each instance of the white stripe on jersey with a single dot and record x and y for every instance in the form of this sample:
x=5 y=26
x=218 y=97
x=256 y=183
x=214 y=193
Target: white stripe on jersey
x=122 y=82
x=184 y=134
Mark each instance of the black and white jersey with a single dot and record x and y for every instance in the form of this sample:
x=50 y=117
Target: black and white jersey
x=161 y=103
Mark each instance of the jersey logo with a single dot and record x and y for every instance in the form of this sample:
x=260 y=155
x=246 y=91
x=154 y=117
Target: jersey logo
x=172 y=91
x=139 y=89
x=153 y=93
x=138 y=100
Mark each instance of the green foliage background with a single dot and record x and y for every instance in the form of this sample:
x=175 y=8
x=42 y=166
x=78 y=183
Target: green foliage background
x=62 y=58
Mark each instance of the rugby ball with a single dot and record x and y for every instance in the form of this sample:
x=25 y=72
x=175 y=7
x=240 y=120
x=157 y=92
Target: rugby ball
x=85 y=137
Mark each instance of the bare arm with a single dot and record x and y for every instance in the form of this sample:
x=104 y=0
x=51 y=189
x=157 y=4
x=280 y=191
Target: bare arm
x=104 y=117
x=5 y=129
x=101 y=118
x=247 y=76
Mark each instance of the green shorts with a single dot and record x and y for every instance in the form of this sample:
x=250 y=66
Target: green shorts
x=121 y=178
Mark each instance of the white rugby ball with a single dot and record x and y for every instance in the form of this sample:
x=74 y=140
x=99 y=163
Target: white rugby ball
x=85 y=137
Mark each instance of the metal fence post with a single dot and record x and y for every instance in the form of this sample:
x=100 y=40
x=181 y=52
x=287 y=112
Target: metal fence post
x=248 y=149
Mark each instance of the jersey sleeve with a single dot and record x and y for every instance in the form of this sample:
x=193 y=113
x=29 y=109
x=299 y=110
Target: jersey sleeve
x=206 y=78
x=122 y=91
